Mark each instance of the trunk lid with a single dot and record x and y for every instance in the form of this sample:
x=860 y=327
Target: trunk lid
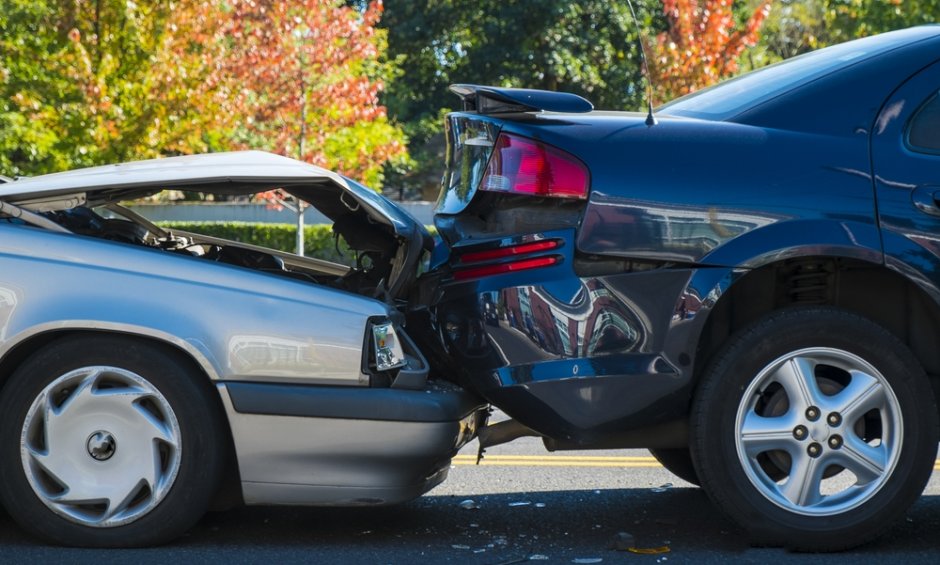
x=358 y=213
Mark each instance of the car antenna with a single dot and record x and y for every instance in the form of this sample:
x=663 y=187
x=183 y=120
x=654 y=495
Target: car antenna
x=650 y=118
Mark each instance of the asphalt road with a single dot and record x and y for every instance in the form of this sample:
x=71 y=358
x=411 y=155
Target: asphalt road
x=530 y=506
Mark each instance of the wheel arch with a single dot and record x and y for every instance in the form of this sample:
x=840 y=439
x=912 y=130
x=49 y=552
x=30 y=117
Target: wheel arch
x=867 y=288
x=229 y=492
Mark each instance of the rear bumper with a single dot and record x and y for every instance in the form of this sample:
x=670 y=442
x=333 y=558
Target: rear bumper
x=345 y=446
x=573 y=357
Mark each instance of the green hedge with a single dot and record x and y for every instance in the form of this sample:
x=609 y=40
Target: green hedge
x=318 y=238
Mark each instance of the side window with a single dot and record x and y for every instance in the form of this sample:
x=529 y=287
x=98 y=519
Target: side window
x=923 y=134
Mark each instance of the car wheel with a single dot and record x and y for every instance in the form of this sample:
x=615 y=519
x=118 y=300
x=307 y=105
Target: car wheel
x=678 y=462
x=108 y=442
x=814 y=428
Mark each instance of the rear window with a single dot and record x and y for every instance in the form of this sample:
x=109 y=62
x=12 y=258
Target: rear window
x=734 y=96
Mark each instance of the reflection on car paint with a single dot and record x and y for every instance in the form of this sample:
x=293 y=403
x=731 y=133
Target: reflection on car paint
x=681 y=232
x=8 y=301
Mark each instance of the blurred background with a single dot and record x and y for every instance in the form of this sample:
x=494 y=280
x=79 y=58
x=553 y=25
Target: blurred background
x=360 y=87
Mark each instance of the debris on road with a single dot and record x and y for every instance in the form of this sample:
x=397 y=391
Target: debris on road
x=649 y=550
x=662 y=488
x=469 y=504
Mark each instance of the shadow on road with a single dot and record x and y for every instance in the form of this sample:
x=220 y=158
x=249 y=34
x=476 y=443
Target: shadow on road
x=563 y=526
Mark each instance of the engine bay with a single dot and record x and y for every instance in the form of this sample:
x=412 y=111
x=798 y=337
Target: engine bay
x=373 y=249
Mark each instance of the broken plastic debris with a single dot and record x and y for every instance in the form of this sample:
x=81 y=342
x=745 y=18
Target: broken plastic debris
x=663 y=488
x=649 y=550
x=481 y=550
x=469 y=504
x=519 y=503
x=538 y=557
x=584 y=560
x=621 y=541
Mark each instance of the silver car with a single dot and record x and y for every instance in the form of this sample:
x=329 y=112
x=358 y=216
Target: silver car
x=147 y=374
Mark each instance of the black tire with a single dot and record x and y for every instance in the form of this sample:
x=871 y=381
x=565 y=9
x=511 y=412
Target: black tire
x=189 y=462
x=814 y=346
x=678 y=462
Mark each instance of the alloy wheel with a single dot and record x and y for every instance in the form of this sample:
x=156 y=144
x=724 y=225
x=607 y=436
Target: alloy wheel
x=819 y=431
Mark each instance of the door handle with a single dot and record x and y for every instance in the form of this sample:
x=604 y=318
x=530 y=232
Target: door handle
x=927 y=199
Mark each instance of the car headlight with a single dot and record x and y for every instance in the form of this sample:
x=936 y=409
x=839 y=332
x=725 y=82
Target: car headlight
x=387 y=348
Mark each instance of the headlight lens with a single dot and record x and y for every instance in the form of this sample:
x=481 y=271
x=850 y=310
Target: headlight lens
x=387 y=347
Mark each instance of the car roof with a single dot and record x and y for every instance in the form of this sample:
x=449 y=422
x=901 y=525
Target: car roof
x=237 y=172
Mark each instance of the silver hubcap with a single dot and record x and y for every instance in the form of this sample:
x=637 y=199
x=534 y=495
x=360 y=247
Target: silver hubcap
x=819 y=431
x=100 y=446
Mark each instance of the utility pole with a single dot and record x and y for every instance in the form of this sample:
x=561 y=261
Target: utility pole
x=301 y=146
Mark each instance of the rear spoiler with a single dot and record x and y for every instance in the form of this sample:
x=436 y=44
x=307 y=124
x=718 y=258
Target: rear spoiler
x=494 y=100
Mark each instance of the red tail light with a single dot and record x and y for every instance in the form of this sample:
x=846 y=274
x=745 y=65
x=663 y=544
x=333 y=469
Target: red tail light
x=502 y=252
x=524 y=166
x=487 y=270
x=468 y=270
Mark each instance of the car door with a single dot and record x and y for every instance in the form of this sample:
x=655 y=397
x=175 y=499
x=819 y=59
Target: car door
x=906 y=166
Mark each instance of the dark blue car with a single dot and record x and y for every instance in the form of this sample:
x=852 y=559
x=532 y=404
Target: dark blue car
x=749 y=287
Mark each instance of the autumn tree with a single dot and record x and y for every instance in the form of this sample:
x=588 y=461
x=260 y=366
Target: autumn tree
x=701 y=45
x=73 y=81
x=300 y=78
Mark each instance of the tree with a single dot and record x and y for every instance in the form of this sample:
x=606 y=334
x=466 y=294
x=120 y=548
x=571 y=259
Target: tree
x=589 y=48
x=797 y=26
x=299 y=78
x=701 y=45
x=84 y=82
x=73 y=81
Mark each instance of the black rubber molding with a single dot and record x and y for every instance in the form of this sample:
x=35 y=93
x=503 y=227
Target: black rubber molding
x=440 y=403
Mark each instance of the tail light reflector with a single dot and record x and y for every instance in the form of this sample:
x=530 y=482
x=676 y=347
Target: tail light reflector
x=465 y=271
x=511 y=251
x=500 y=268
x=525 y=166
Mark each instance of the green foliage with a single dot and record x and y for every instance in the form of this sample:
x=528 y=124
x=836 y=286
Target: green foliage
x=318 y=239
x=798 y=26
x=88 y=82
x=850 y=19
x=73 y=82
